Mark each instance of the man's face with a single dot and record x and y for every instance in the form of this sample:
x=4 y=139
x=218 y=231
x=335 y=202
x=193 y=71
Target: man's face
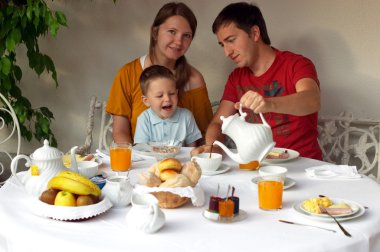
x=238 y=45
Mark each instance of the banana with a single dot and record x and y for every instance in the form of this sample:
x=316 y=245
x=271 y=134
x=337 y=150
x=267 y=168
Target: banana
x=75 y=183
x=69 y=185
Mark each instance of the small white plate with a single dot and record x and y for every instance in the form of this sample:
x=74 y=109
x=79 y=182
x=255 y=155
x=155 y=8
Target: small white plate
x=222 y=169
x=357 y=208
x=289 y=182
x=292 y=155
x=216 y=218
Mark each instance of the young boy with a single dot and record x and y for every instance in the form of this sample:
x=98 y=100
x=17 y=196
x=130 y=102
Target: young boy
x=163 y=121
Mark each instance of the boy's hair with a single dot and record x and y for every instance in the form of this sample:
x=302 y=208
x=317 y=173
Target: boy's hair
x=154 y=72
x=244 y=16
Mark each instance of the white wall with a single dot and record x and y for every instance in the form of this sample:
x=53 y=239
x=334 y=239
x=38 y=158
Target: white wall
x=340 y=36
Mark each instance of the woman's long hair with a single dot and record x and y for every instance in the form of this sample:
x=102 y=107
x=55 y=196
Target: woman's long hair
x=183 y=69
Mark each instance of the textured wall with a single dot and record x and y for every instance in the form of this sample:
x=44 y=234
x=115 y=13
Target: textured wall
x=341 y=37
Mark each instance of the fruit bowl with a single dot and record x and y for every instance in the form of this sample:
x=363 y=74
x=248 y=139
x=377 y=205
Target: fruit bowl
x=66 y=213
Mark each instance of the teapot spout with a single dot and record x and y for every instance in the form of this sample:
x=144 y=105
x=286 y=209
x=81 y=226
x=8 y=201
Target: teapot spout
x=74 y=165
x=234 y=156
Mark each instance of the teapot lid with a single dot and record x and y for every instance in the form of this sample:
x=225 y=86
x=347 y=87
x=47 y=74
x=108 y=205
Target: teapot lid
x=46 y=152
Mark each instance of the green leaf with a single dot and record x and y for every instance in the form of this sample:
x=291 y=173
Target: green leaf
x=6 y=84
x=16 y=35
x=5 y=65
x=53 y=27
x=29 y=12
x=17 y=71
x=10 y=43
x=61 y=18
x=48 y=63
x=44 y=124
x=46 y=112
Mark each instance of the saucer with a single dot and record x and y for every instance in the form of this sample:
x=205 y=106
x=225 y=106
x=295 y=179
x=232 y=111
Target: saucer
x=222 y=169
x=288 y=182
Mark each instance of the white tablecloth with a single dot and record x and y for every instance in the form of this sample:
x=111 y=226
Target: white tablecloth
x=187 y=230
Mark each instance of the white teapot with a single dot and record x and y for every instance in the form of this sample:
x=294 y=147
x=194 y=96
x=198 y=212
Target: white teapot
x=145 y=215
x=253 y=141
x=45 y=163
x=118 y=190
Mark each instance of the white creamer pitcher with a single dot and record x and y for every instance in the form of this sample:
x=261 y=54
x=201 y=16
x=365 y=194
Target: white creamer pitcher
x=47 y=162
x=253 y=141
x=145 y=215
x=118 y=190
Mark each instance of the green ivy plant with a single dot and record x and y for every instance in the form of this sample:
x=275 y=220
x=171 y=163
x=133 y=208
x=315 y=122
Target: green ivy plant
x=22 y=23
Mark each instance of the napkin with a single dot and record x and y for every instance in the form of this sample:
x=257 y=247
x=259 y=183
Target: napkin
x=332 y=171
x=196 y=194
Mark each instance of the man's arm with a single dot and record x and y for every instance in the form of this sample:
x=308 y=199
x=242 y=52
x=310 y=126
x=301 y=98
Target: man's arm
x=214 y=130
x=121 y=129
x=306 y=101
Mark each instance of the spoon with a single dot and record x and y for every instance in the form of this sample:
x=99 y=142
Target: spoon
x=345 y=232
x=233 y=192
x=228 y=191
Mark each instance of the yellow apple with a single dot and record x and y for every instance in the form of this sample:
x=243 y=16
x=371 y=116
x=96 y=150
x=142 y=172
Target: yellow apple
x=64 y=198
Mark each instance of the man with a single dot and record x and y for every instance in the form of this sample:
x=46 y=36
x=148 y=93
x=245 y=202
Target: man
x=282 y=85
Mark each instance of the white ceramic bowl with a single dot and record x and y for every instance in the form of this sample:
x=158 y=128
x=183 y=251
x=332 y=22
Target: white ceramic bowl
x=88 y=168
x=273 y=171
x=206 y=163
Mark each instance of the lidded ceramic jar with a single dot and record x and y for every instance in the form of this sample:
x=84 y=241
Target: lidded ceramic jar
x=45 y=163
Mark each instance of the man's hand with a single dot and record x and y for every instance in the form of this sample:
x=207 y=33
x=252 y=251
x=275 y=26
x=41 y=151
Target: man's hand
x=207 y=149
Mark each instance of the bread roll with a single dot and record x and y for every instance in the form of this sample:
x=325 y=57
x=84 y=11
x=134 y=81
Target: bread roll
x=149 y=179
x=169 y=163
x=192 y=171
x=167 y=174
x=154 y=169
x=179 y=180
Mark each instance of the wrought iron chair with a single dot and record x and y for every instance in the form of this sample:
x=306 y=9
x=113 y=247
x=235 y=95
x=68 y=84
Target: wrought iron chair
x=7 y=135
x=346 y=140
x=105 y=130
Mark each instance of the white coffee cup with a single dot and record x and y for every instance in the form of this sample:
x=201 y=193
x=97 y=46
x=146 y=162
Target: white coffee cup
x=88 y=168
x=273 y=171
x=207 y=162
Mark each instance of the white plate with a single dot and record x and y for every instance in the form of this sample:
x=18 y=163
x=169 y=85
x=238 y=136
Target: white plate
x=357 y=208
x=222 y=169
x=289 y=182
x=65 y=213
x=216 y=218
x=292 y=155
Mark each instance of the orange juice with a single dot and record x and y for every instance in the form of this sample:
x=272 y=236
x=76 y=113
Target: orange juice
x=253 y=165
x=270 y=194
x=120 y=158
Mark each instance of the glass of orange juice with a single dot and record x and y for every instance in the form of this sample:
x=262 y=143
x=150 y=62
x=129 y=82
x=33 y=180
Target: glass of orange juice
x=121 y=156
x=270 y=192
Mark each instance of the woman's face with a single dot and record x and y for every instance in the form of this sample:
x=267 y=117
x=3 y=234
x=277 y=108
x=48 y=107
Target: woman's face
x=174 y=37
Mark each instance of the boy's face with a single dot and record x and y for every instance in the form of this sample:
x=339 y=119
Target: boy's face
x=162 y=97
x=239 y=45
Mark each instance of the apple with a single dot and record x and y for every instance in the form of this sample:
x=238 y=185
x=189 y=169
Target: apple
x=64 y=198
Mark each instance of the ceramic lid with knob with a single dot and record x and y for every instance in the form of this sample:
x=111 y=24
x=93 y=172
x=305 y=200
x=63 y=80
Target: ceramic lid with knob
x=46 y=152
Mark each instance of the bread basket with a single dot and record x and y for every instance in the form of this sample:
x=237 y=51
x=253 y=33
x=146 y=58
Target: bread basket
x=170 y=200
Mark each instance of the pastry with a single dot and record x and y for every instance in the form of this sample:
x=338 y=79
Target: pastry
x=179 y=180
x=167 y=174
x=149 y=179
x=169 y=163
x=192 y=171
x=154 y=169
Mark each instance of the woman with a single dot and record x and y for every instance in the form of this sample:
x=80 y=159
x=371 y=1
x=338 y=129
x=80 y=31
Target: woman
x=171 y=35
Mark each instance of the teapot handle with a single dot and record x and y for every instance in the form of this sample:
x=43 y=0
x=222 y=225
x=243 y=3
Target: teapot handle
x=243 y=116
x=14 y=166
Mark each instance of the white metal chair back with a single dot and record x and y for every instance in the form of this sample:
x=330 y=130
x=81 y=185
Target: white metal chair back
x=7 y=136
x=346 y=140
x=105 y=130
